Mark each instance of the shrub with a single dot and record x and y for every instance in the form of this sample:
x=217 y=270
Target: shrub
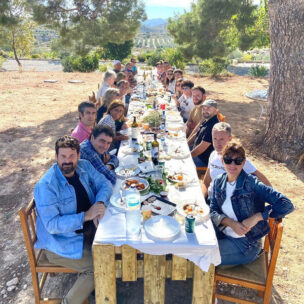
x=35 y=56
x=86 y=63
x=155 y=57
x=141 y=57
x=213 y=67
x=103 y=68
x=236 y=54
x=247 y=57
x=175 y=58
x=258 y=71
x=2 y=60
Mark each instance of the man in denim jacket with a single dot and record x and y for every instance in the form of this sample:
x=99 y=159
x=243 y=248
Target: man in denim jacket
x=70 y=198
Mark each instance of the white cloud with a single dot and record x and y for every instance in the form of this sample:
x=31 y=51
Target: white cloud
x=171 y=3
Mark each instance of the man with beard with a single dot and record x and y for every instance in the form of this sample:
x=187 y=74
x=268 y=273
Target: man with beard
x=196 y=114
x=200 y=140
x=70 y=199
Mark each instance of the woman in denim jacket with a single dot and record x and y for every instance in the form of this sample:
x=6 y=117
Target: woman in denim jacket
x=238 y=209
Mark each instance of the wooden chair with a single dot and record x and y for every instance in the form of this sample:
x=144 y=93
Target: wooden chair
x=37 y=259
x=257 y=275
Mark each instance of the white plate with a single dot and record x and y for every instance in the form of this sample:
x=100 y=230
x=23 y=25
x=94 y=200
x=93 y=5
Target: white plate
x=173 y=118
x=179 y=135
x=131 y=150
x=116 y=202
x=186 y=178
x=162 y=228
x=127 y=171
x=147 y=166
x=198 y=217
x=140 y=180
x=180 y=154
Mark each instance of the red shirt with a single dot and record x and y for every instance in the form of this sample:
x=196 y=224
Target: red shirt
x=81 y=132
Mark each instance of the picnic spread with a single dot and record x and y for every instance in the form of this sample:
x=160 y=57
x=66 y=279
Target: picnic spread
x=172 y=191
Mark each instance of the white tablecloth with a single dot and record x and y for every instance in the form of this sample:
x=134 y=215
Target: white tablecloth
x=200 y=247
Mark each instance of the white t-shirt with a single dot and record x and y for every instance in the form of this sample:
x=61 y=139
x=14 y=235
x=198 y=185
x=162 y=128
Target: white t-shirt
x=186 y=105
x=216 y=168
x=102 y=90
x=171 y=86
x=228 y=210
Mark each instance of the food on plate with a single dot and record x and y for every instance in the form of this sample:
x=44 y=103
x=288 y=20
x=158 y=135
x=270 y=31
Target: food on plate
x=176 y=177
x=138 y=185
x=156 y=207
x=193 y=209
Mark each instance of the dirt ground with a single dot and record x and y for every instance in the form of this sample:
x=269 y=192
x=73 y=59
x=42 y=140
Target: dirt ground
x=34 y=114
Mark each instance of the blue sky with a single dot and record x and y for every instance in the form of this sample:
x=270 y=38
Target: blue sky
x=168 y=8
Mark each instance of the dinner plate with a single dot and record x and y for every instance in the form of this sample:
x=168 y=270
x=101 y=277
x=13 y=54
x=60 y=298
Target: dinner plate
x=131 y=150
x=179 y=154
x=162 y=228
x=179 y=177
x=199 y=216
x=117 y=203
x=137 y=180
x=127 y=171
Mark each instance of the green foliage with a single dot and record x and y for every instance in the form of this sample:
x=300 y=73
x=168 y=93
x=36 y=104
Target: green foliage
x=175 y=58
x=236 y=54
x=213 y=67
x=90 y=23
x=155 y=57
x=103 y=68
x=258 y=71
x=35 y=56
x=247 y=57
x=118 y=51
x=17 y=36
x=87 y=63
x=141 y=57
x=2 y=60
x=214 y=28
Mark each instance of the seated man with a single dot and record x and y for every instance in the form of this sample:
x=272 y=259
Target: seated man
x=221 y=135
x=117 y=66
x=95 y=150
x=185 y=103
x=87 y=117
x=70 y=198
x=196 y=115
x=200 y=140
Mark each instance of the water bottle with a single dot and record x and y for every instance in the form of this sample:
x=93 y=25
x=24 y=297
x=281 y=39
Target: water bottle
x=133 y=215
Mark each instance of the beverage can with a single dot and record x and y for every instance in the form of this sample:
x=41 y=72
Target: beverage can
x=189 y=224
x=148 y=145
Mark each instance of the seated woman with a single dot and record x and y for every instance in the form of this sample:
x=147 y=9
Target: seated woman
x=170 y=82
x=238 y=209
x=107 y=98
x=115 y=112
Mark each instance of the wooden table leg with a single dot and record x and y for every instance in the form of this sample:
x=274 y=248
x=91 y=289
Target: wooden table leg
x=202 y=285
x=179 y=268
x=104 y=274
x=154 y=279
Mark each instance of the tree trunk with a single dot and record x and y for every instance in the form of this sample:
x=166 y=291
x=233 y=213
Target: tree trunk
x=15 y=52
x=284 y=136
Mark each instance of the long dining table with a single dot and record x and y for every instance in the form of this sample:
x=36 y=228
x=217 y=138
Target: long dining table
x=190 y=255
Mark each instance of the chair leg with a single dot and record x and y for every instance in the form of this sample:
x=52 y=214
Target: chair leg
x=36 y=287
x=267 y=295
x=86 y=301
x=214 y=291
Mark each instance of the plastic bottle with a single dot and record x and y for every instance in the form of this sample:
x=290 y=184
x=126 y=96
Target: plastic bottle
x=133 y=215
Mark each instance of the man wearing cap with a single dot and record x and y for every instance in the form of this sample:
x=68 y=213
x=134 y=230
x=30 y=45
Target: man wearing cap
x=117 y=66
x=200 y=140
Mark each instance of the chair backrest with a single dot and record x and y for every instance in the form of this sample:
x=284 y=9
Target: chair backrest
x=28 y=218
x=272 y=246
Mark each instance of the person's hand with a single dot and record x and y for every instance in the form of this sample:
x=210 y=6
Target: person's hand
x=96 y=210
x=106 y=158
x=96 y=221
x=110 y=167
x=239 y=228
x=252 y=221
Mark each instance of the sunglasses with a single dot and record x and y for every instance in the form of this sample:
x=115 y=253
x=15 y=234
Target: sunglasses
x=228 y=160
x=185 y=88
x=170 y=74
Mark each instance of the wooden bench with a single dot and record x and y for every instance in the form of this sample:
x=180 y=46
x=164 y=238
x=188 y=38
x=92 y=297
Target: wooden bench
x=37 y=259
x=112 y=262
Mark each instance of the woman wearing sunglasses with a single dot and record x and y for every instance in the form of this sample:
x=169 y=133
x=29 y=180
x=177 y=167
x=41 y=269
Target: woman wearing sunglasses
x=239 y=211
x=170 y=82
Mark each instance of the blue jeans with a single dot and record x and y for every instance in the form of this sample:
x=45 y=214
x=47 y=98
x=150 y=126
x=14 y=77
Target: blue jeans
x=198 y=162
x=237 y=251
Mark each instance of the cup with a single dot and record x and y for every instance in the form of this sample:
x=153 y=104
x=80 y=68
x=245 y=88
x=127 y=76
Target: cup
x=163 y=106
x=146 y=126
x=146 y=212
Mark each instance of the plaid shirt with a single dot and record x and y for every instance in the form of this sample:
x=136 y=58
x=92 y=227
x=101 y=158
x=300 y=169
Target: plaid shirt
x=88 y=152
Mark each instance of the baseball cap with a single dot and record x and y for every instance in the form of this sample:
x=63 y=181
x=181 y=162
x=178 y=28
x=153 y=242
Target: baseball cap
x=116 y=61
x=210 y=103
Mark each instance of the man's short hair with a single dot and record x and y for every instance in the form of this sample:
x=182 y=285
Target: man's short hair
x=203 y=91
x=187 y=83
x=100 y=129
x=86 y=104
x=222 y=126
x=67 y=141
x=119 y=83
x=178 y=71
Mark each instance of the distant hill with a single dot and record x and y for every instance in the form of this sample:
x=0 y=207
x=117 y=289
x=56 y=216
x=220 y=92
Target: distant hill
x=154 y=26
